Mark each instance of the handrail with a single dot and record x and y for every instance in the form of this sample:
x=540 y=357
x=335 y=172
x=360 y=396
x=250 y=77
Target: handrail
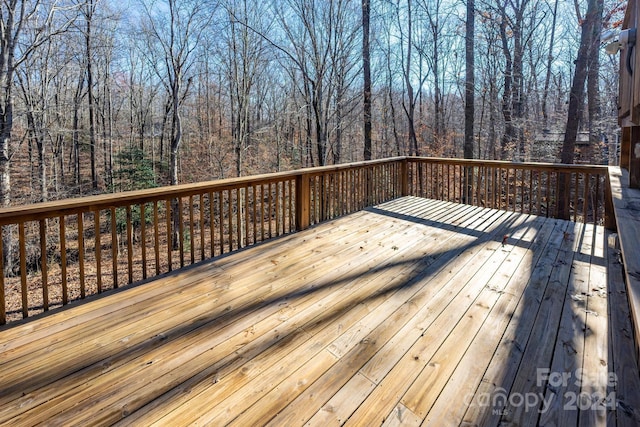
x=560 y=167
x=577 y=192
x=97 y=243
x=38 y=211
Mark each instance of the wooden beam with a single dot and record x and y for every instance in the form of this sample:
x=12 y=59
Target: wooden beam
x=626 y=201
x=634 y=158
x=303 y=201
x=625 y=147
x=404 y=177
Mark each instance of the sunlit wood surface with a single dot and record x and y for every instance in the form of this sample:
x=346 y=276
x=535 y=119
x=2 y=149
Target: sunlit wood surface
x=412 y=312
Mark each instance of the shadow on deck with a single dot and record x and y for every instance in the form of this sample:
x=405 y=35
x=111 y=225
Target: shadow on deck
x=413 y=311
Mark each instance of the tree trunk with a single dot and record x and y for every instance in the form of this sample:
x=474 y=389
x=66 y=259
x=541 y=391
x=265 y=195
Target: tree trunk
x=469 y=106
x=366 y=68
x=576 y=96
x=547 y=79
x=506 y=144
x=410 y=108
x=593 y=84
x=576 y=103
x=92 y=119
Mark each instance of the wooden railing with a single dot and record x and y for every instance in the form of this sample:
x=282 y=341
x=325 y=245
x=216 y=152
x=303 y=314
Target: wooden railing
x=577 y=192
x=57 y=252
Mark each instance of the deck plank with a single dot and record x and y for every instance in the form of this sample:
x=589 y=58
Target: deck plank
x=568 y=354
x=163 y=363
x=371 y=334
x=469 y=371
x=385 y=316
x=539 y=347
x=360 y=345
x=394 y=383
x=626 y=381
x=594 y=400
x=395 y=275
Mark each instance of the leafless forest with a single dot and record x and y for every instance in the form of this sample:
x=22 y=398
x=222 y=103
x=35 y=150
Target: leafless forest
x=99 y=96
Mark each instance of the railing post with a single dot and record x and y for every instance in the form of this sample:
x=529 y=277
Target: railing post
x=303 y=202
x=609 y=215
x=404 y=177
x=625 y=147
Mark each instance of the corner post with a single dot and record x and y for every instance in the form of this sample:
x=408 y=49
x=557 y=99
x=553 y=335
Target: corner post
x=609 y=214
x=404 y=177
x=303 y=202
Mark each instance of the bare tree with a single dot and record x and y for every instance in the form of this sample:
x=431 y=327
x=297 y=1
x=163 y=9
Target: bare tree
x=245 y=60
x=16 y=15
x=177 y=34
x=469 y=99
x=576 y=97
x=576 y=101
x=366 y=71
x=409 y=102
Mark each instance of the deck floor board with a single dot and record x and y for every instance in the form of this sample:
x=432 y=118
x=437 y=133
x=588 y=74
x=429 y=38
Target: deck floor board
x=411 y=312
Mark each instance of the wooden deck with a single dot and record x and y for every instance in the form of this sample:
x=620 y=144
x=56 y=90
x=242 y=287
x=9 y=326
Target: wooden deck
x=412 y=312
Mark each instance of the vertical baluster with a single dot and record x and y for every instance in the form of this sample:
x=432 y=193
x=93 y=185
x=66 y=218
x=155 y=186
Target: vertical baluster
x=530 y=191
x=129 y=245
x=23 y=269
x=430 y=182
x=230 y=214
x=202 y=227
x=350 y=190
x=448 y=182
x=169 y=235
x=277 y=206
x=437 y=194
x=143 y=239
x=179 y=213
x=230 y=207
x=557 y=195
x=221 y=225
x=192 y=237
x=246 y=215
x=83 y=291
x=114 y=247
x=290 y=198
x=212 y=225
x=497 y=194
x=539 y=197
x=485 y=195
x=596 y=201
x=98 y=249
x=63 y=263
x=585 y=206
x=255 y=213
x=508 y=192
x=262 y=215
x=271 y=208
x=522 y=181
x=43 y=264
x=239 y=217
x=576 y=191
x=156 y=237
x=458 y=178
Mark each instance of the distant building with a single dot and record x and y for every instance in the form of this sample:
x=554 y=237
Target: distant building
x=548 y=144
